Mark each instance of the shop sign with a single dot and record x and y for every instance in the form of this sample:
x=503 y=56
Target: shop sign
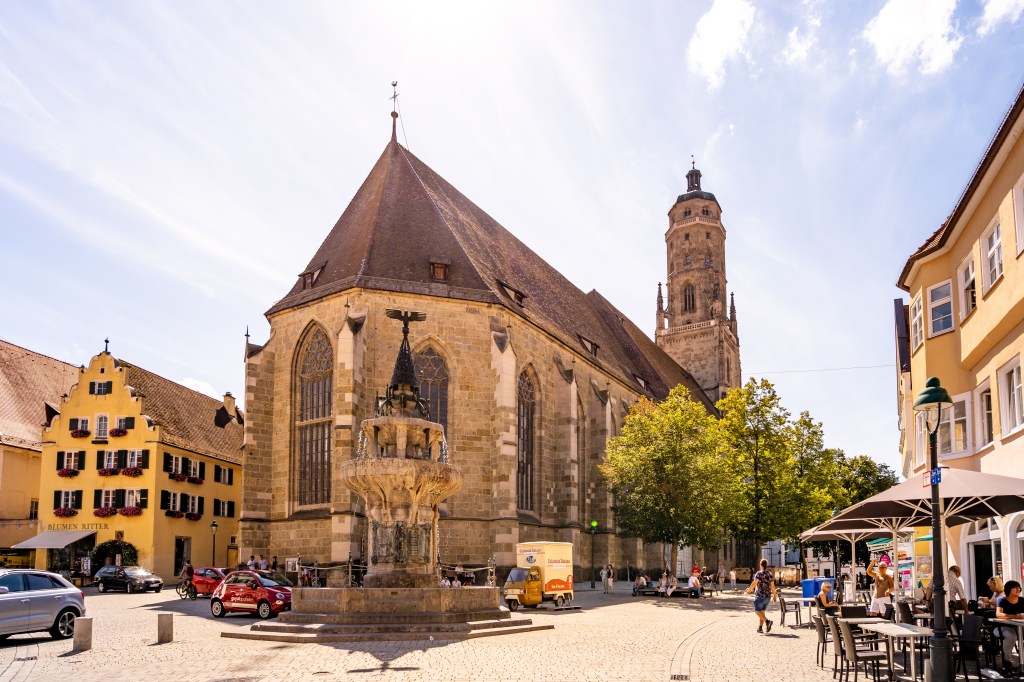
x=78 y=526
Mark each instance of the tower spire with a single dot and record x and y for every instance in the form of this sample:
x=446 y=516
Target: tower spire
x=661 y=310
x=693 y=177
x=394 y=111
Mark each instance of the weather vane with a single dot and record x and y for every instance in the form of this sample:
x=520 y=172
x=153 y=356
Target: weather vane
x=394 y=97
x=693 y=163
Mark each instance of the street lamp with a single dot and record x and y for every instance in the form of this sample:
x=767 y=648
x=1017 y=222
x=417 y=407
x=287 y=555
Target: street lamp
x=213 y=529
x=593 y=568
x=931 y=402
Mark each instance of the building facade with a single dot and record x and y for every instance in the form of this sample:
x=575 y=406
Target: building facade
x=964 y=324
x=692 y=324
x=31 y=386
x=529 y=375
x=129 y=455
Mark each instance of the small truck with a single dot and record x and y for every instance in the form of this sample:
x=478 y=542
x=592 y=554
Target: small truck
x=543 y=572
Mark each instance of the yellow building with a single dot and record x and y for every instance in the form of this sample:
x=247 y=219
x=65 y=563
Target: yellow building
x=135 y=457
x=965 y=325
x=31 y=386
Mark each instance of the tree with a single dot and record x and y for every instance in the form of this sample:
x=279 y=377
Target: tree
x=668 y=476
x=106 y=552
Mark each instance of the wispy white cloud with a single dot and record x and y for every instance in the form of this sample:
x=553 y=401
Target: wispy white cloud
x=998 y=11
x=720 y=37
x=914 y=33
x=802 y=39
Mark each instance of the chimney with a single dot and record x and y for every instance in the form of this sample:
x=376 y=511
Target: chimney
x=229 y=404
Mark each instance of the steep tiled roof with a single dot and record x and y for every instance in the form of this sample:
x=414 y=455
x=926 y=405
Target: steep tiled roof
x=938 y=239
x=29 y=382
x=405 y=216
x=189 y=418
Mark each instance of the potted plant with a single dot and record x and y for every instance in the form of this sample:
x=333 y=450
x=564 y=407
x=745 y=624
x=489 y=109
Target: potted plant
x=195 y=479
x=104 y=512
x=132 y=472
x=130 y=511
x=108 y=472
x=117 y=433
x=177 y=476
x=65 y=512
x=67 y=472
x=80 y=433
x=174 y=513
x=192 y=516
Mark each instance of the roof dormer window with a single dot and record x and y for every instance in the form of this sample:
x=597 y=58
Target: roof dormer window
x=588 y=345
x=640 y=380
x=439 y=269
x=309 y=277
x=512 y=293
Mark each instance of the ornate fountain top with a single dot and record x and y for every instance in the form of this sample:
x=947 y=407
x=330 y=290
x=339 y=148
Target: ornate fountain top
x=403 y=393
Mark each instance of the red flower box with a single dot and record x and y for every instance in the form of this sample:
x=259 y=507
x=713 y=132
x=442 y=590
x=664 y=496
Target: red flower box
x=108 y=472
x=117 y=433
x=174 y=514
x=67 y=472
x=65 y=512
x=195 y=479
x=80 y=433
x=132 y=472
x=177 y=477
x=193 y=517
x=104 y=512
x=130 y=511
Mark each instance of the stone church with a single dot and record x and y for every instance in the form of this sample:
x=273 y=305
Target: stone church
x=528 y=374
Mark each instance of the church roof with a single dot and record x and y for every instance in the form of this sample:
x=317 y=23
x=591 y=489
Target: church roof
x=29 y=382
x=405 y=217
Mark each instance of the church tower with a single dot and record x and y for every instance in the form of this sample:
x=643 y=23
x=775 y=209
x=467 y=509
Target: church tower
x=693 y=324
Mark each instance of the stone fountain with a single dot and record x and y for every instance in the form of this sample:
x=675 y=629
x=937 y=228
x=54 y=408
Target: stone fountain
x=402 y=473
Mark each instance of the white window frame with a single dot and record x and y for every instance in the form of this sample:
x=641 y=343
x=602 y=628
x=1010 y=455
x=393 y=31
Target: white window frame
x=110 y=459
x=933 y=304
x=1018 y=213
x=107 y=498
x=946 y=421
x=120 y=422
x=193 y=505
x=133 y=497
x=988 y=276
x=193 y=468
x=174 y=504
x=101 y=388
x=83 y=423
x=176 y=464
x=1011 y=397
x=67 y=499
x=920 y=437
x=968 y=295
x=102 y=421
x=134 y=458
x=916 y=323
x=979 y=401
x=71 y=460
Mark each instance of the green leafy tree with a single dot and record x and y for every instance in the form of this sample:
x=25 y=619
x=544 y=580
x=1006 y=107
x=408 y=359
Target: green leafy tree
x=106 y=552
x=669 y=479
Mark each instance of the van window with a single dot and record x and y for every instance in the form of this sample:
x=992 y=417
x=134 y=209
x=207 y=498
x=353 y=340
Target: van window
x=518 y=575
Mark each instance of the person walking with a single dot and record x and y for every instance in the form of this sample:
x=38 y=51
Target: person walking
x=883 y=588
x=763 y=587
x=604 y=578
x=611 y=579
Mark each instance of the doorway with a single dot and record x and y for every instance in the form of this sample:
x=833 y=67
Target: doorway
x=983 y=566
x=182 y=551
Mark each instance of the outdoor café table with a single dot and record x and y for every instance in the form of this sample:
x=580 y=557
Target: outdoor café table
x=1015 y=623
x=894 y=631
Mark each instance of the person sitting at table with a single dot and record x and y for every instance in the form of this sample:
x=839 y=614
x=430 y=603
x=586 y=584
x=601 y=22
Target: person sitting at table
x=694 y=586
x=1010 y=607
x=824 y=599
x=955 y=587
x=995 y=583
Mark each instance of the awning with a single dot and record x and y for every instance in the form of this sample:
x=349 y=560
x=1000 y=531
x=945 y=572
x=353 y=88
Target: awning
x=53 y=539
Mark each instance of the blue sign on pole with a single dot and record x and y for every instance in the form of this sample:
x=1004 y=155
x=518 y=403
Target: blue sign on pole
x=936 y=476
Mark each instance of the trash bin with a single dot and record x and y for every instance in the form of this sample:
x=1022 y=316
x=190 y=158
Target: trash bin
x=809 y=588
x=819 y=581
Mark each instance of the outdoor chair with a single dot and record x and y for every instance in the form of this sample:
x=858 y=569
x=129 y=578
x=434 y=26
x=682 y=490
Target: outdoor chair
x=905 y=614
x=970 y=645
x=837 y=639
x=789 y=607
x=866 y=598
x=855 y=653
x=890 y=612
x=824 y=637
x=852 y=611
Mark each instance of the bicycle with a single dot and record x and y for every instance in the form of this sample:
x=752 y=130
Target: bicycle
x=186 y=589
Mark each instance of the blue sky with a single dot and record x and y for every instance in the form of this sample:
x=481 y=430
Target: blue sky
x=167 y=169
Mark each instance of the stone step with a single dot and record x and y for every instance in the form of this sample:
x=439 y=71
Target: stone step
x=392 y=618
x=328 y=629
x=305 y=638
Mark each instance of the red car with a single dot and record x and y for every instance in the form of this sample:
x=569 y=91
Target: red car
x=250 y=592
x=207 y=579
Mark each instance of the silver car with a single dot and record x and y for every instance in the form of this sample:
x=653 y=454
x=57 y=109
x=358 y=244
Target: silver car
x=34 y=601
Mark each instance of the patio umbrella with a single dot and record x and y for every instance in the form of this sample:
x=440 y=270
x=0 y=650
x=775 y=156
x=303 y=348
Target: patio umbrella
x=851 y=535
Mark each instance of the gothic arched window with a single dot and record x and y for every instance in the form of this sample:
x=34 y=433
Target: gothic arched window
x=432 y=373
x=581 y=460
x=314 y=419
x=527 y=400
x=689 y=299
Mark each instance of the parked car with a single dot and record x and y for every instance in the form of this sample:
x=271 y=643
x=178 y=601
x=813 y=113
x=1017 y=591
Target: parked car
x=36 y=601
x=250 y=592
x=128 y=578
x=207 y=579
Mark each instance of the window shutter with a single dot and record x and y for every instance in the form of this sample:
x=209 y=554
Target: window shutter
x=60 y=460
x=183 y=501
x=216 y=473
x=110 y=387
x=165 y=499
x=201 y=500
x=144 y=498
x=99 y=459
x=92 y=388
x=78 y=499
x=168 y=463
x=97 y=499
x=144 y=461
x=202 y=470
x=231 y=509
x=118 y=498
x=231 y=476
x=122 y=460
x=56 y=499
x=129 y=422
x=73 y=424
x=186 y=463
x=216 y=507
x=81 y=461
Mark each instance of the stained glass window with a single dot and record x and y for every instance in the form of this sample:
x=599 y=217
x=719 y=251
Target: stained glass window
x=314 y=423
x=432 y=373
x=527 y=398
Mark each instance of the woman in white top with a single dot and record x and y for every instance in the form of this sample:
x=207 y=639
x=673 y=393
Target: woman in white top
x=995 y=583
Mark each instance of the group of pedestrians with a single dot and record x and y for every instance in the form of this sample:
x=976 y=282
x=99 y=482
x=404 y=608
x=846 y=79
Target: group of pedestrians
x=608 y=579
x=261 y=564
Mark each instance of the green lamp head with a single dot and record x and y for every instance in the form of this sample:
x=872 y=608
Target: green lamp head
x=931 y=400
x=593 y=525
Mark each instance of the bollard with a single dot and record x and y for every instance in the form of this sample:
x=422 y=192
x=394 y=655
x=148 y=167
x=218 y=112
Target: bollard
x=83 y=634
x=164 y=628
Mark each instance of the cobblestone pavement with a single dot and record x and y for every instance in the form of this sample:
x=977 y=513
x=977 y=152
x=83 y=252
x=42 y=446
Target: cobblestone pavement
x=612 y=637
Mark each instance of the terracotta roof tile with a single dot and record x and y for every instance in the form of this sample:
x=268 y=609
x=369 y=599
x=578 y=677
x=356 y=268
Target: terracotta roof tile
x=28 y=382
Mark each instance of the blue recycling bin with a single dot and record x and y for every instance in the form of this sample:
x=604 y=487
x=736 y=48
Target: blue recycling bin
x=819 y=581
x=809 y=588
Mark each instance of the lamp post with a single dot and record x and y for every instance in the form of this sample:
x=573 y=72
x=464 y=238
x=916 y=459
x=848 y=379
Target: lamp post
x=213 y=529
x=931 y=402
x=593 y=568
